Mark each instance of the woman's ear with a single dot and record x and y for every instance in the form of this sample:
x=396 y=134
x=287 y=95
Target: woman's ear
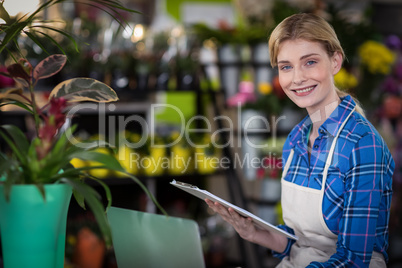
x=337 y=60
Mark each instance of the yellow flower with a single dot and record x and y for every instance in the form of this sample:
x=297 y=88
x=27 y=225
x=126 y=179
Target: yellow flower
x=345 y=80
x=205 y=163
x=265 y=88
x=376 y=57
x=153 y=164
x=78 y=163
x=180 y=158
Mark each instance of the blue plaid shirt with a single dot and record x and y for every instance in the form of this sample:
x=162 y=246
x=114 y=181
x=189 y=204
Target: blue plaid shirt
x=358 y=190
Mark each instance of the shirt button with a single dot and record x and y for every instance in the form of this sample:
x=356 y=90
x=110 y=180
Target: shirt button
x=316 y=146
x=322 y=131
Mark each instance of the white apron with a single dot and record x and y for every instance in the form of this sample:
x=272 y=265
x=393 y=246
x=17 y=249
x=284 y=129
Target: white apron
x=302 y=211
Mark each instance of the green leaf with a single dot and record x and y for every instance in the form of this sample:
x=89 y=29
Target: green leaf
x=74 y=151
x=79 y=198
x=3 y=166
x=14 y=96
x=112 y=8
x=115 y=5
x=33 y=164
x=111 y=163
x=9 y=180
x=18 y=143
x=12 y=29
x=41 y=189
x=108 y=161
x=61 y=32
x=17 y=103
x=63 y=142
x=84 y=89
x=36 y=41
x=145 y=189
x=5 y=93
x=18 y=136
x=4 y=14
x=49 y=66
x=95 y=205
x=10 y=170
x=12 y=32
x=58 y=157
x=107 y=191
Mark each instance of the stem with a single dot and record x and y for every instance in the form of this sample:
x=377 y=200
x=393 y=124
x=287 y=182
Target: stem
x=25 y=98
x=34 y=109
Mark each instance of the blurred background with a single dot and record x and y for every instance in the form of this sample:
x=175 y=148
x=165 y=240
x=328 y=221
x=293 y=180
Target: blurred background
x=200 y=70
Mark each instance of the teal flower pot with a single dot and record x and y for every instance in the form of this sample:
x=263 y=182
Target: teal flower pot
x=33 y=231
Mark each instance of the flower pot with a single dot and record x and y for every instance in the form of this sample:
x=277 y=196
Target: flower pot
x=33 y=230
x=90 y=249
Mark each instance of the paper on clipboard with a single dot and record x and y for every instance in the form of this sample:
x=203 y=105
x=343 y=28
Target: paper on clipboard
x=203 y=194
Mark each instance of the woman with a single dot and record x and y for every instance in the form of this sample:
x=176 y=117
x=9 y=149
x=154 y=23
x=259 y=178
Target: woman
x=337 y=180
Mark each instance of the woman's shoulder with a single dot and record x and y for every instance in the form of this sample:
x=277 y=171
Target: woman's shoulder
x=366 y=147
x=359 y=127
x=362 y=133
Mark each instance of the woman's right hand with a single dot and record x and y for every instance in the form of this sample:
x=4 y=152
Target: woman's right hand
x=243 y=226
x=247 y=230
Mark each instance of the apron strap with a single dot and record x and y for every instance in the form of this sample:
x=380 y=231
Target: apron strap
x=325 y=173
x=329 y=158
x=287 y=165
x=331 y=151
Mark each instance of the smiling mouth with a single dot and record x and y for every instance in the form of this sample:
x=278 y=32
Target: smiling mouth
x=304 y=90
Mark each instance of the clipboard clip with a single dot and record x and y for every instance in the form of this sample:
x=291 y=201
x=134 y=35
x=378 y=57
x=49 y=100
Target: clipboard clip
x=184 y=184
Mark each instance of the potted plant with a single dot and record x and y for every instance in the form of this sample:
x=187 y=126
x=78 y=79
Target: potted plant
x=37 y=178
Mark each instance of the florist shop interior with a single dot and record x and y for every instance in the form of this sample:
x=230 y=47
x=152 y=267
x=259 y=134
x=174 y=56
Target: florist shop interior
x=198 y=102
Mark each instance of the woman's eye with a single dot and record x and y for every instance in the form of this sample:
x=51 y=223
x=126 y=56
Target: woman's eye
x=310 y=62
x=285 y=67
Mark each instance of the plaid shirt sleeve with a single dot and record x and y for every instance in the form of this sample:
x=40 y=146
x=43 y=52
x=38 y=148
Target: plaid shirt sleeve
x=283 y=254
x=366 y=205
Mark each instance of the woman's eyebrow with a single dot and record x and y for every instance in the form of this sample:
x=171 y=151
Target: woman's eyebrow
x=283 y=61
x=301 y=58
x=308 y=55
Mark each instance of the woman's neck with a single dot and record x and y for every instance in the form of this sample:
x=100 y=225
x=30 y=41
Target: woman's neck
x=318 y=116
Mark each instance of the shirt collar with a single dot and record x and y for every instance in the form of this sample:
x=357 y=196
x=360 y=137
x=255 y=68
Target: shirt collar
x=330 y=126
x=338 y=116
x=333 y=122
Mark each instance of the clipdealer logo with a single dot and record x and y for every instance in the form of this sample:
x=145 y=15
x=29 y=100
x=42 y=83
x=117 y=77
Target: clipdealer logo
x=237 y=133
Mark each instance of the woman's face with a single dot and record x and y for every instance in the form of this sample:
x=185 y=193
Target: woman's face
x=306 y=73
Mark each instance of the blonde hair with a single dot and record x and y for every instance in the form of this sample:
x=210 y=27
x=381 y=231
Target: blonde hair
x=308 y=27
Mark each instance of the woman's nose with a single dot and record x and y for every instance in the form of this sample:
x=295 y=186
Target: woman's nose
x=298 y=76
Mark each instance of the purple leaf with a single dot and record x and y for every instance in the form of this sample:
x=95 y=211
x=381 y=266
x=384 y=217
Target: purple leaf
x=17 y=71
x=49 y=66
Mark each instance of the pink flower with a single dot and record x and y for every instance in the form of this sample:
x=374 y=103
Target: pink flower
x=260 y=173
x=57 y=105
x=53 y=121
x=245 y=95
x=5 y=81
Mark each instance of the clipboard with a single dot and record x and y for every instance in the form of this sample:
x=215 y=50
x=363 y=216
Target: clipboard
x=203 y=194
